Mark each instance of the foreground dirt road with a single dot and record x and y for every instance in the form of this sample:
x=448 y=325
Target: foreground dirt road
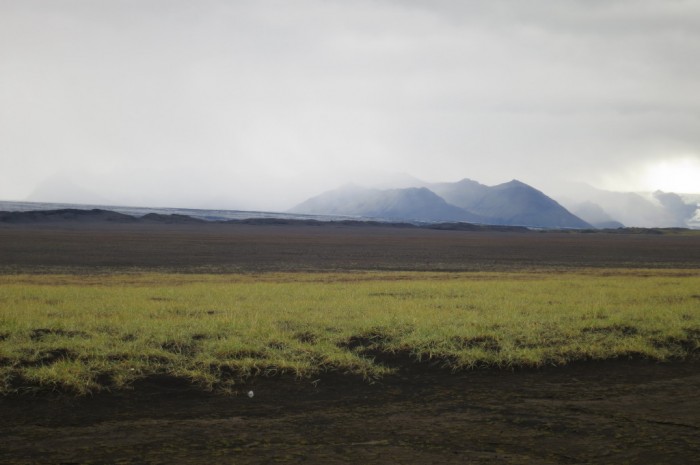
x=624 y=411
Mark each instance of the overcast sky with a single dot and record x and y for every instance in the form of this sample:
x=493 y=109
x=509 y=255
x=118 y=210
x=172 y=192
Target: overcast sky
x=260 y=104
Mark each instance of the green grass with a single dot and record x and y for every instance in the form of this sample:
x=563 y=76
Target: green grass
x=86 y=333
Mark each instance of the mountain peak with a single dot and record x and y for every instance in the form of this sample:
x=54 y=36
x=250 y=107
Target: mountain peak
x=510 y=203
x=468 y=181
x=514 y=183
x=407 y=204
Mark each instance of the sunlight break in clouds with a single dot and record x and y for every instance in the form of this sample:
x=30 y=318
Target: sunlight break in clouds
x=673 y=175
x=679 y=174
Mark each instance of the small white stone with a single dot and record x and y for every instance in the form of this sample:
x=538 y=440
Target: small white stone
x=251 y=394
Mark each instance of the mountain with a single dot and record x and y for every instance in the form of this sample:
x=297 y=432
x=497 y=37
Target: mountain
x=66 y=215
x=675 y=206
x=465 y=193
x=95 y=215
x=511 y=203
x=645 y=210
x=595 y=215
x=413 y=203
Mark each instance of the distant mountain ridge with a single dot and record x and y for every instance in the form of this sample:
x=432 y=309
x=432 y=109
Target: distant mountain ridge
x=412 y=203
x=65 y=214
x=95 y=215
x=98 y=216
x=510 y=203
x=513 y=204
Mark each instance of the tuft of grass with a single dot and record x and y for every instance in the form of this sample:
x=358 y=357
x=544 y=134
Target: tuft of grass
x=83 y=334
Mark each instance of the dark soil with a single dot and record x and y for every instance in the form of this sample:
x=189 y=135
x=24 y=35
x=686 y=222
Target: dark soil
x=623 y=411
x=94 y=247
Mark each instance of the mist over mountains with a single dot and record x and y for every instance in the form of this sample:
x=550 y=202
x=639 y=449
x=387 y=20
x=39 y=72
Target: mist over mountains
x=401 y=197
x=512 y=203
x=646 y=210
x=413 y=203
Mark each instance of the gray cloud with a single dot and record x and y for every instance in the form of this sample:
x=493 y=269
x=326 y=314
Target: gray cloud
x=257 y=104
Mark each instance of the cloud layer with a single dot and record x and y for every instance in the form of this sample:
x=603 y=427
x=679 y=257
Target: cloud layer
x=258 y=104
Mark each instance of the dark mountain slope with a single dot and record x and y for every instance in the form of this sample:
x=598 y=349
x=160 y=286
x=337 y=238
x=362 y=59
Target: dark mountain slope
x=95 y=215
x=415 y=203
x=464 y=194
x=595 y=215
x=511 y=203
x=68 y=214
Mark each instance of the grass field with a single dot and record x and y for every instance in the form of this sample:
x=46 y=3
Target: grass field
x=83 y=334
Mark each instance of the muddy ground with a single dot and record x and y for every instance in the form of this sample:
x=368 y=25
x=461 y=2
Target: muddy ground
x=613 y=412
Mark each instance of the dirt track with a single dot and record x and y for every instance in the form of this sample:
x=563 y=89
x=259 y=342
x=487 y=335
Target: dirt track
x=621 y=411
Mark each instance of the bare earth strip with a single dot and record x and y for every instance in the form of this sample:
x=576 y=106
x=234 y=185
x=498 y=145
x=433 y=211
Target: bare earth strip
x=250 y=248
x=607 y=412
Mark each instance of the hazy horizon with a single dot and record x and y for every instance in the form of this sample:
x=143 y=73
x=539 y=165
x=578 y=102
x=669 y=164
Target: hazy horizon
x=259 y=105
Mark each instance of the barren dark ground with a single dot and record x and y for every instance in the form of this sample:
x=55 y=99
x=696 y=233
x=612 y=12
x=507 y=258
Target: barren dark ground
x=618 y=411
x=623 y=411
x=252 y=248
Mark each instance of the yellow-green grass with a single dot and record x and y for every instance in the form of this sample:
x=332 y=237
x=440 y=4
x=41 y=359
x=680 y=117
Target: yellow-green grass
x=86 y=333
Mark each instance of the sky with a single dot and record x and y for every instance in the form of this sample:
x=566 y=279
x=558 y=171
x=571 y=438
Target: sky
x=260 y=104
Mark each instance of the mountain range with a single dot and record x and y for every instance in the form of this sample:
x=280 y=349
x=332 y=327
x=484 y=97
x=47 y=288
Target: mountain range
x=511 y=203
